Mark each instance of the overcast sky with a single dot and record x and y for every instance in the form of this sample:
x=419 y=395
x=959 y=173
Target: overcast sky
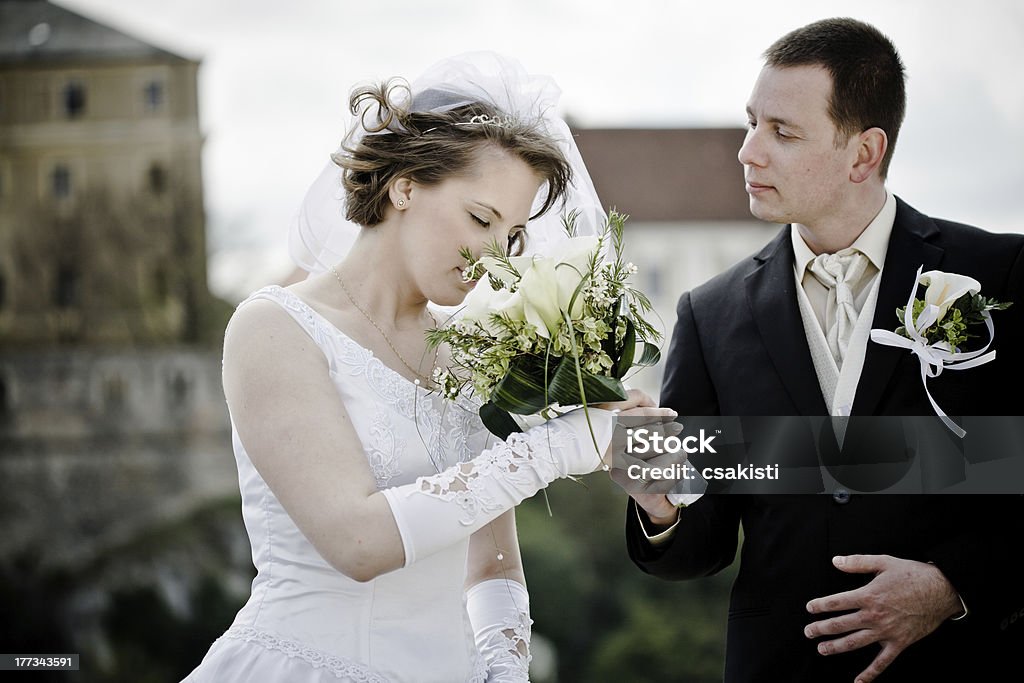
x=275 y=77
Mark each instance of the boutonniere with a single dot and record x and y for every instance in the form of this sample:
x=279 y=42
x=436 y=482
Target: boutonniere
x=937 y=328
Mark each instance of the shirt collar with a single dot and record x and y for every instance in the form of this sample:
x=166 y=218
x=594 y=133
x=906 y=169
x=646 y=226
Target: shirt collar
x=873 y=242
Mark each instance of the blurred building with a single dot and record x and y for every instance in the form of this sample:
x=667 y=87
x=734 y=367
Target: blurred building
x=689 y=216
x=102 y=234
x=112 y=417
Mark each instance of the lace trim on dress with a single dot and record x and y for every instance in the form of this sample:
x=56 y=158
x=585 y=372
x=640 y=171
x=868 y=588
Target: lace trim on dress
x=385 y=450
x=512 y=461
x=479 y=673
x=342 y=667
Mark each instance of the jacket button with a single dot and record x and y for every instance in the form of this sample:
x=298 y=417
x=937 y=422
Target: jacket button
x=841 y=496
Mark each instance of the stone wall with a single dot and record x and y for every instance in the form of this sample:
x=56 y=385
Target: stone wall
x=97 y=447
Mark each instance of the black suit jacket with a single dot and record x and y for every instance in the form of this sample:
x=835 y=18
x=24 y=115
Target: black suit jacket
x=739 y=349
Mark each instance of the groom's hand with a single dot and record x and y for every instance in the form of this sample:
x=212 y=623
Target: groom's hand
x=649 y=493
x=905 y=601
x=661 y=512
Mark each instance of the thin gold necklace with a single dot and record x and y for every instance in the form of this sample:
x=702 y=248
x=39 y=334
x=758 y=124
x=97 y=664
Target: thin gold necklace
x=366 y=315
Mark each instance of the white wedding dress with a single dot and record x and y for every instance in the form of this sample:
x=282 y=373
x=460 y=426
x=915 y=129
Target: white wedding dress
x=305 y=621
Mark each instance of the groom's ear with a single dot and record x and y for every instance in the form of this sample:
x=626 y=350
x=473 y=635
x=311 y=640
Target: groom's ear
x=871 y=147
x=400 y=192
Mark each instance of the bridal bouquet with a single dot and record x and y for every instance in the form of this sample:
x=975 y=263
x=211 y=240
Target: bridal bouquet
x=538 y=332
x=935 y=328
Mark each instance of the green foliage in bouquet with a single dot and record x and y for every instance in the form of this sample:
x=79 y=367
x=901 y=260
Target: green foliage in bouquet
x=952 y=327
x=556 y=330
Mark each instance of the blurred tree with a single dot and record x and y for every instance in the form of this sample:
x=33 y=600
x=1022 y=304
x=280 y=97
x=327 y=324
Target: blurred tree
x=607 y=619
x=143 y=612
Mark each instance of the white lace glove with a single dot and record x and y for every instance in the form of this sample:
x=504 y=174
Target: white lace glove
x=499 y=611
x=436 y=511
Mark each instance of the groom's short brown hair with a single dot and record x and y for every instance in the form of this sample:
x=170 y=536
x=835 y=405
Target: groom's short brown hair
x=868 y=89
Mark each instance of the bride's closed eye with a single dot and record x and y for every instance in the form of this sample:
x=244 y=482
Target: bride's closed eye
x=479 y=220
x=514 y=239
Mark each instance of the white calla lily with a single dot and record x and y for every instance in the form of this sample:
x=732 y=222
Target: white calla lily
x=549 y=284
x=576 y=251
x=482 y=301
x=943 y=289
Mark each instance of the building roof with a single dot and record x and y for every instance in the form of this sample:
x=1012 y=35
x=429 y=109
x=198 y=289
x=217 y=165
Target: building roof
x=40 y=31
x=677 y=174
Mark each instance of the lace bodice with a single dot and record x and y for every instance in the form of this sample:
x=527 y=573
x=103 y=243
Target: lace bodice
x=407 y=625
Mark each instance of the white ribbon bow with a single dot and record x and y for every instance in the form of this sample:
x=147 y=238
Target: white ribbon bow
x=938 y=356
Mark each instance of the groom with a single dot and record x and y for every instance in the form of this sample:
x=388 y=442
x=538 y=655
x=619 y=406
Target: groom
x=842 y=586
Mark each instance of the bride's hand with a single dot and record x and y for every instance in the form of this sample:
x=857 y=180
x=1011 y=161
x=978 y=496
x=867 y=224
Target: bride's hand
x=642 y=411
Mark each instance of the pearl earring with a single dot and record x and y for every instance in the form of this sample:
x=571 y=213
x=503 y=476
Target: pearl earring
x=401 y=202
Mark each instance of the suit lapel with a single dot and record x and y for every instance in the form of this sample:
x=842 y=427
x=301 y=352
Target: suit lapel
x=771 y=294
x=911 y=244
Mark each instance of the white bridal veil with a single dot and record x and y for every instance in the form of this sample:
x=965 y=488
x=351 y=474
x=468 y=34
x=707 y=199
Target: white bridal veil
x=320 y=236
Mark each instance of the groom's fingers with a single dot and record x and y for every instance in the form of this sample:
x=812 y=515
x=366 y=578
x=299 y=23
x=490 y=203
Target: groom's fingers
x=648 y=415
x=641 y=398
x=634 y=399
x=645 y=469
x=880 y=663
x=624 y=460
x=641 y=486
x=848 y=643
x=836 y=625
x=861 y=564
x=837 y=602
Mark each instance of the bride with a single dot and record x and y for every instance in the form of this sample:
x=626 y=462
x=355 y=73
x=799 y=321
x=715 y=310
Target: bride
x=380 y=513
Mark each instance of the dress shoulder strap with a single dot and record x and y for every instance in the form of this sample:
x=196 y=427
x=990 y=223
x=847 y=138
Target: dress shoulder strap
x=328 y=338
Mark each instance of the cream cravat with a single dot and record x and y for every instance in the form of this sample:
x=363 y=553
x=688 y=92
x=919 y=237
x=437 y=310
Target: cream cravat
x=837 y=272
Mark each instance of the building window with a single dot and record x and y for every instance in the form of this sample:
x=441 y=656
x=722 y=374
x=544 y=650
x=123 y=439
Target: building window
x=161 y=287
x=157 y=179
x=154 y=94
x=177 y=390
x=67 y=292
x=74 y=99
x=113 y=393
x=5 y=407
x=39 y=34
x=61 y=182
